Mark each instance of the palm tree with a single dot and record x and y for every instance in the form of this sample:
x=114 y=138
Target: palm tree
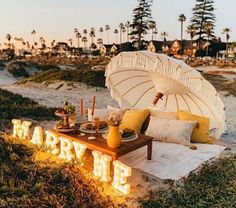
x=154 y=33
x=123 y=32
x=70 y=41
x=208 y=27
x=85 y=40
x=107 y=28
x=127 y=26
x=116 y=34
x=33 y=33
x=8 y=37
x=182 y=19
x=164 y=36
x=92 y=34
x=85 y=32
x=101 y=32
x=99 y=42
x=226 y=31
x=41 y=41
x=152 y=26
x=121 y=26
x=191 y=30
x=78 y=36
x=16 y=40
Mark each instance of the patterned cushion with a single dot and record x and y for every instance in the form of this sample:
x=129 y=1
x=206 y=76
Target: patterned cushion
x=171 y=130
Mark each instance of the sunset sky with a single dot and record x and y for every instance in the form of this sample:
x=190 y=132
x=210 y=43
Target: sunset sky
x=56 y=19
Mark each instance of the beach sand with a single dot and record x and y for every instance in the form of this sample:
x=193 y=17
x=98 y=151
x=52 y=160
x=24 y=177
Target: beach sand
x=54 y=95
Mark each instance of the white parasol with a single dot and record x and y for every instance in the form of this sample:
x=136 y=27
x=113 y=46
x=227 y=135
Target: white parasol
x=138 y=79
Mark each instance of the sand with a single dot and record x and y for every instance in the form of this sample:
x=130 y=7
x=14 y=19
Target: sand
x=56 y=94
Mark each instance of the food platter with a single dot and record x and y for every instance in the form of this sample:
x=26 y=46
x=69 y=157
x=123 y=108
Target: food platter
x=92 y=131
x=130 y=138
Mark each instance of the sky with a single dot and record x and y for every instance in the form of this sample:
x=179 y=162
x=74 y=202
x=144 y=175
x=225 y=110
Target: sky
x=56 y=19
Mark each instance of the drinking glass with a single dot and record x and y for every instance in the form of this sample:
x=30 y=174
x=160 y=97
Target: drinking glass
x=96 y=123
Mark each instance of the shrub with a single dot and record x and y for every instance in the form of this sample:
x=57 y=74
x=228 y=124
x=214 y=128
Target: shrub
x=89 y=77
x=18 y=69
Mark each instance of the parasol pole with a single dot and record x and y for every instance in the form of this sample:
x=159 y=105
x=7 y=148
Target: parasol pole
x=159 y=95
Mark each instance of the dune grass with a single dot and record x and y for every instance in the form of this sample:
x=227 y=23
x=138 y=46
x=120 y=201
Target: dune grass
x=89 y=77
x=16 y=106
x=213 y=186
x=29 y=182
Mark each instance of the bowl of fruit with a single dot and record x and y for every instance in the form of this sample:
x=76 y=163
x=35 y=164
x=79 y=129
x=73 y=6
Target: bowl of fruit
x=66 y=110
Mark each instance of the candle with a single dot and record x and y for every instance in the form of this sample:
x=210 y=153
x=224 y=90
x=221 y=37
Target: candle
x=81 y=107
x=93 y=106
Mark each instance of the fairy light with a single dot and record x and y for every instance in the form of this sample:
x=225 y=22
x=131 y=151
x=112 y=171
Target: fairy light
x=37 y=137
x=52 y=142
x=121 y=172
x=79 y=150
x=101 y=166
x=21 y=129
x=66 y=149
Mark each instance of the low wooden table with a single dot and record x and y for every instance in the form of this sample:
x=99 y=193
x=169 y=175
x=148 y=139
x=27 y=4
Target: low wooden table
x=100 y=144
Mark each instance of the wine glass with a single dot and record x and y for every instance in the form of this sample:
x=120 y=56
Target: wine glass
x=96 y=123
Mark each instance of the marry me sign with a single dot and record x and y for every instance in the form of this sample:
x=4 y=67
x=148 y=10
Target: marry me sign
x=70 y=150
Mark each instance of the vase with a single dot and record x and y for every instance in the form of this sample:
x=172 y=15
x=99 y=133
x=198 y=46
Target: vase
x=113 y=137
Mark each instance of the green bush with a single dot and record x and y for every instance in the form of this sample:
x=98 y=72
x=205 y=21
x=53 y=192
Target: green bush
x=89 y=77
x=18 y=69
x=213 y=186
x=26 y=182
x=16 y=106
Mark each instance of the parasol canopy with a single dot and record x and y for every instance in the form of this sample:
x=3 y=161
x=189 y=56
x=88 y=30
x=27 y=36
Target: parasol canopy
x=140 y=79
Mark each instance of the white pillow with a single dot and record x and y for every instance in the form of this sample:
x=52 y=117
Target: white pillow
x=101 y=113
x=170 y=130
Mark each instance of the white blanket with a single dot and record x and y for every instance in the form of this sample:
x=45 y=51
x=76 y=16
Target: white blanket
x=171 y=161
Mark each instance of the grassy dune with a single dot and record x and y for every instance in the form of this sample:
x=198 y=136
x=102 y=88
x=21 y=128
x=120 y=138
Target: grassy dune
x=89 y=77
x=28 y=181
x=16 y=106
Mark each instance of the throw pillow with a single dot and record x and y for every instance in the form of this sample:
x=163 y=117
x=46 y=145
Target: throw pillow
x=134 y=119
x=201 y=131
x=171 y=130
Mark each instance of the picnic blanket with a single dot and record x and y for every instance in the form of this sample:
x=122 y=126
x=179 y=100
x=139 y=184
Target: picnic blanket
x=171 y=161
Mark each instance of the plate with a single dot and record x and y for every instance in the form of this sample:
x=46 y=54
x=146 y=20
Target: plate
x=92 y=131
x=64 y=114
x=64 y=130
x=125 y=139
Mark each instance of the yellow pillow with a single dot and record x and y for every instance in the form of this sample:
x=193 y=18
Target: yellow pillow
x=134 y=119
x=201 y=131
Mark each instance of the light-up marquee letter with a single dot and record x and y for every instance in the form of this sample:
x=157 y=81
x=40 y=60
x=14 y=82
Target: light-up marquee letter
x=121 y=172
x=102 y=165
x=52 y=142
x=66 y=151
x=37 y=137
x=21 y=129
x=79 y=150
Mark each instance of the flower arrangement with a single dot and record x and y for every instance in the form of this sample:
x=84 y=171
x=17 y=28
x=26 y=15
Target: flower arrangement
x=114 y=119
